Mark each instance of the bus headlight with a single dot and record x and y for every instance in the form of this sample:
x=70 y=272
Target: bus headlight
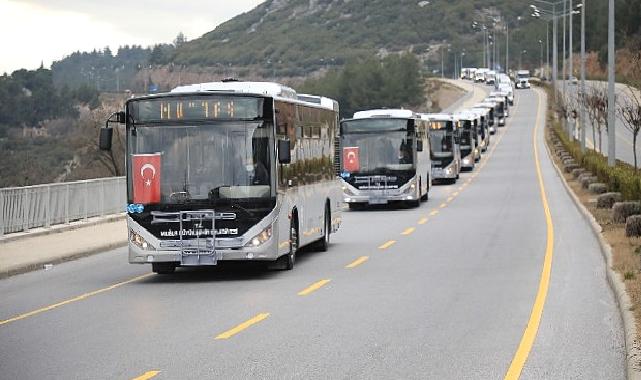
x=411 y=186
x=261 y=238
x=139 y=241
x=347 y=190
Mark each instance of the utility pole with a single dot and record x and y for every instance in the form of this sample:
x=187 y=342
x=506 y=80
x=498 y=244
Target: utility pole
x=611 y=98
x=555 y=53
x=581 y=105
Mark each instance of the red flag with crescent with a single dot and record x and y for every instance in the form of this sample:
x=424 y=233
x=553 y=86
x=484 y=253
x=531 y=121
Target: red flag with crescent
x=146 y=178
x=351 y=162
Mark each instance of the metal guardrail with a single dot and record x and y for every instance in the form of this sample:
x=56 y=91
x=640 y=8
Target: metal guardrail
x=23 y=208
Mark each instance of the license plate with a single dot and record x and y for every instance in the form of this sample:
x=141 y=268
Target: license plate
x=377 y=201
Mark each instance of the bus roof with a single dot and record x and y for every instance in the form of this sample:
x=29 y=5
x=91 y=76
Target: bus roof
x=437 y=116
x=382 y=113
x=274 y=90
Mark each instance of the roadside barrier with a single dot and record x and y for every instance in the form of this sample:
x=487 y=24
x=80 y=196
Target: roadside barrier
x=24 y=208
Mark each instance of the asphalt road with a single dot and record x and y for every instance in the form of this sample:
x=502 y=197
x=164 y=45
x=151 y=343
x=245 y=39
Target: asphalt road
x=624 y=146
x=446 y=292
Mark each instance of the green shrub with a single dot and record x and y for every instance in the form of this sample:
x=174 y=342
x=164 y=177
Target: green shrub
x=622 y=178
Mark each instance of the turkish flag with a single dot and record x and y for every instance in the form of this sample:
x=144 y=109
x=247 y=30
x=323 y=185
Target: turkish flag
x=351 y=162
x=146 y=177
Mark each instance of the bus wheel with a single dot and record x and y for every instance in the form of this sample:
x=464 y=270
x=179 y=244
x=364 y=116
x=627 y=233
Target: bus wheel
x=287 y=261
x=322 y=244
x=163 y=268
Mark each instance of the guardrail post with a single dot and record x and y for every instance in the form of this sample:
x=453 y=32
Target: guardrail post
x=86 y=200
x=2 y=214
x=48 y=208
x=25 y=209
x=67 y=204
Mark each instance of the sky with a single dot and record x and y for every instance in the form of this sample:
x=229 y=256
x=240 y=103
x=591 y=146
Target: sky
x=35 y=31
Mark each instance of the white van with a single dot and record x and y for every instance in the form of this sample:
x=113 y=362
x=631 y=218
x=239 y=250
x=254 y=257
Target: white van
x=522 y=79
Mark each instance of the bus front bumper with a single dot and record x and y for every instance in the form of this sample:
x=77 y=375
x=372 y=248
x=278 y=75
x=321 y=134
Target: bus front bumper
x=145 y=248
x=468 y=162
x=448 y=172
x=266 y=252
x=407 y=192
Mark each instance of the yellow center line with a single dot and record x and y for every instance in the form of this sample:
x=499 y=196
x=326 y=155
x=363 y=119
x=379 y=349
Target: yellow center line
x=387 y=244
x=434 y=212
x=357 y=262
x=450 y=199
x=74 y=299
x=455 y=194
x=408 y=231
x=529 y=335
x=443 y=205
x=422 y=221
x=147 y=375
x=313 y=287
x=461 y=188
x=243 y=326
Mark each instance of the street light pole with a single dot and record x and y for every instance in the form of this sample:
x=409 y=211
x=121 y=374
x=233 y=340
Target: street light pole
x=507 y=48
x=581 y=105
x=611 y=98
x=571 y=71
x=547 y=50
x=541 y=58
x=442 y=72
x=564 y=77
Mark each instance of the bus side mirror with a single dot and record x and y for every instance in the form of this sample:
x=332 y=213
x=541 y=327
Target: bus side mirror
x=106 y=135
x=419 y=145
x=284 y=152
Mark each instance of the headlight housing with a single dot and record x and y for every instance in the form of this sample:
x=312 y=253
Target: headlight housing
x=261 y=238
x=411 y=186
x=347 y=190
x=139 y=241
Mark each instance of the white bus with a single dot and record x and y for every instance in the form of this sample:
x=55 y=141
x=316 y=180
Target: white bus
x=446 y=149
x=229 y=171
x=385 y=158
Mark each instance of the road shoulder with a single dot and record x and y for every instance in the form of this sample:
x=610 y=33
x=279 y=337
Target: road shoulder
x=615 y=279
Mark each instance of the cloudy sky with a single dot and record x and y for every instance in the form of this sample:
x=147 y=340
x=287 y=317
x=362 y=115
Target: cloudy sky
x=46 y=30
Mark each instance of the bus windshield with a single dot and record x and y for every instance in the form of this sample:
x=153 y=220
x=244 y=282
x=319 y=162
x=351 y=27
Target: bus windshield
x=204 y=162
x=382 y=144
x=466 y=125
x=441 y=134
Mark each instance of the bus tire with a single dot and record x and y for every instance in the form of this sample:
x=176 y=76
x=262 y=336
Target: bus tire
x=322 y=244
x=163 y=268
x=427 y=192
x=287 y=261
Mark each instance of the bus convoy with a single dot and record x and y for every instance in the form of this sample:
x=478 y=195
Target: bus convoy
x=254 y=171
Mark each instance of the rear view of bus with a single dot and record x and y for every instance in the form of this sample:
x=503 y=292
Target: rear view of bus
x=223 y=171
x=446 y=152
x=385 y=158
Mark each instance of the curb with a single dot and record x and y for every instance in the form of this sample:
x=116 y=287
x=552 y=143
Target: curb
x=615 y=280
x=37 y=265
x=59 y=228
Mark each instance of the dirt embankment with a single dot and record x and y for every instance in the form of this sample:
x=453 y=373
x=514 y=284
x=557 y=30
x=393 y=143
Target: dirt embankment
x=441 y=95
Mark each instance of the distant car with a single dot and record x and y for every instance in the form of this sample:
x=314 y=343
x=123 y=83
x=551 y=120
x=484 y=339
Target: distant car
x=573 y=80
